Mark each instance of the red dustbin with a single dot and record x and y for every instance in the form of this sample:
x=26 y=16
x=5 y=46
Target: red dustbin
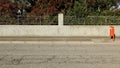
x=112 y=32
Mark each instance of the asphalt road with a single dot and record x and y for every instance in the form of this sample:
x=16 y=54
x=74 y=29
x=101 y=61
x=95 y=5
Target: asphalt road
x=60 y=54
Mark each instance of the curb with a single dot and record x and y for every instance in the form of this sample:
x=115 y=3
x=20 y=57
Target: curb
x=57 y=42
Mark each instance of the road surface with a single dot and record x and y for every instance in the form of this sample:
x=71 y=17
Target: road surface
x=59 y=54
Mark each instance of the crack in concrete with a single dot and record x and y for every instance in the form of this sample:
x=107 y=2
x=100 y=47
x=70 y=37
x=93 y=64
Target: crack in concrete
x=82 y=59
x=17 y=61
x=68 y=59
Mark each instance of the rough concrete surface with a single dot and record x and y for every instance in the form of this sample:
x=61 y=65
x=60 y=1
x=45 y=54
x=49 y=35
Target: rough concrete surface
x=48 y=30
x=60 y=54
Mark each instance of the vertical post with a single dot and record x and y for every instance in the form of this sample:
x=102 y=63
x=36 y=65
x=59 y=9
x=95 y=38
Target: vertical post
x=60 y=19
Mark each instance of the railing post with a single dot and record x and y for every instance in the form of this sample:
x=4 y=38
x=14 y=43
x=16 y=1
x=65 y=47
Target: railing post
x=60 y=19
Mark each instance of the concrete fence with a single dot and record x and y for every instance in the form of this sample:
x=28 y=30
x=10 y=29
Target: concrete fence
x=18 y=30
x=56 y=30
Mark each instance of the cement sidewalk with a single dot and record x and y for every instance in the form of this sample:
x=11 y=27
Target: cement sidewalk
x=60 y=54
x=84 y=39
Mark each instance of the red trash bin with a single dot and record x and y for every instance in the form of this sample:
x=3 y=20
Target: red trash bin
x=112 y=32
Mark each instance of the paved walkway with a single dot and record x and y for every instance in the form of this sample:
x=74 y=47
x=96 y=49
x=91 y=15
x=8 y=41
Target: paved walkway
x=81 y=39
x=60 y=54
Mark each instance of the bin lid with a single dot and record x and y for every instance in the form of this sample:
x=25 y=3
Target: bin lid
x=112 y=27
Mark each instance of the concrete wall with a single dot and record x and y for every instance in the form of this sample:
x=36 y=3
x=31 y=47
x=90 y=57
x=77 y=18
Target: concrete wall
x=60 y=30
x=29 y=30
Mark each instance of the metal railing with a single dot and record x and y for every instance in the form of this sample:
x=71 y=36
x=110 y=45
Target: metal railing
x=29 y=20
x=53 y=20
x=92 y=20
